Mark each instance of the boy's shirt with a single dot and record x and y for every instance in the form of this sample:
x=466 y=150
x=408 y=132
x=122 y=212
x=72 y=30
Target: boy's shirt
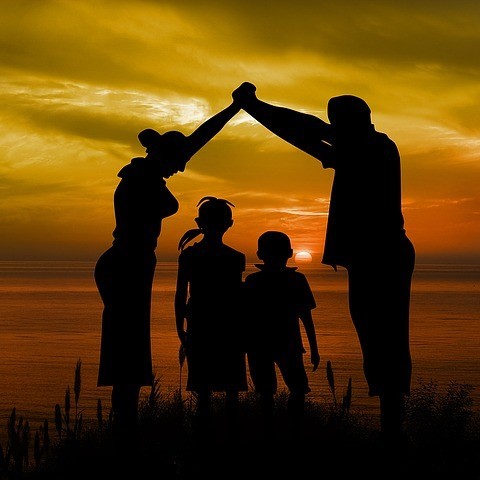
x=274 y=300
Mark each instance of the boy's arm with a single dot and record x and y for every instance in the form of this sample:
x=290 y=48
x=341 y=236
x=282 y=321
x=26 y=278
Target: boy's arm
x=304 y=131
x=208 y=129
x=181 y=303
x=307 y=320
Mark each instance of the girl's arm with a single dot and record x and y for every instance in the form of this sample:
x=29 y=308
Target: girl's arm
x=307 y=320
x=304 y=131
x=208 y=129
x=181 y=303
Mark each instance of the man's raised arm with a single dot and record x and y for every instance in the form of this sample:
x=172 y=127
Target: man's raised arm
x=302 y=130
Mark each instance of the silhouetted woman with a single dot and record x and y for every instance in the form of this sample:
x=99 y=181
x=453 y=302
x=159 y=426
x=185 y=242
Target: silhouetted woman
x=124 y=273
x=365 y=233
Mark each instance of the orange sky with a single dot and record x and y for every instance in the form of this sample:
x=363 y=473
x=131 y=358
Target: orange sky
x=80 y=79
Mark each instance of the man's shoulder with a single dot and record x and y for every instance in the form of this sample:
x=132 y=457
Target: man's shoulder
x=383 y=139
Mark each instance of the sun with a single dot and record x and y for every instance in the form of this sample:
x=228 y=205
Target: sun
x=303 y=257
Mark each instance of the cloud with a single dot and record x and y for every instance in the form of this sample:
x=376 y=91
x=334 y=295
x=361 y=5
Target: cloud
x=81 y=79
x=97 y=113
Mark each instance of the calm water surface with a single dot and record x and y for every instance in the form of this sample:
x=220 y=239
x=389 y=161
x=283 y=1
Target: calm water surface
x=50 y=317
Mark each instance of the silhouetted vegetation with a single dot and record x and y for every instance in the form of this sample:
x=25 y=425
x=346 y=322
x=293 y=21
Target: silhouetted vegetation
x=442 y=439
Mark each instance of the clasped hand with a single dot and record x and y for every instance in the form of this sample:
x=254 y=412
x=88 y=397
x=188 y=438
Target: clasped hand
x=244 y=93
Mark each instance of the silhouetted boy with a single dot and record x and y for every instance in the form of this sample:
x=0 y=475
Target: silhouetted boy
x=278 y=298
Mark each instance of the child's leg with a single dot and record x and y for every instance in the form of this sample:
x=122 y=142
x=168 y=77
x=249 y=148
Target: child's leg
x=266 y=404
x=231 y=403
x=295 y=377
x=203 y=403
x=262 y=372
x=232 y=410
x=202 y=419
x=296 y=408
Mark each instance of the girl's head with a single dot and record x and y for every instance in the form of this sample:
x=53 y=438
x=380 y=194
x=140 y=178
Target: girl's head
x=214 y=214
x=170 y=149
x=214 y=218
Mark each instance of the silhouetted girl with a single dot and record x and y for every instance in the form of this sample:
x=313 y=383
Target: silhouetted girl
x=207 y=302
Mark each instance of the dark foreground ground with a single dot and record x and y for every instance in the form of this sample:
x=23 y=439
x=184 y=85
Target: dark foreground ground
x=441 y=441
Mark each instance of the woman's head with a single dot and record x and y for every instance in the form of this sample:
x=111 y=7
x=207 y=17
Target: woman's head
x=170 y=149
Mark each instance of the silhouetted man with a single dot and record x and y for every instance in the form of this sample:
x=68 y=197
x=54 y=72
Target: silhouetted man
x=365 y=233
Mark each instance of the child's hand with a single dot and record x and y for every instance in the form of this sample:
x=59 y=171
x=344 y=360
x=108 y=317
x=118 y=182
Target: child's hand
x=182 y=335
x=315 y=359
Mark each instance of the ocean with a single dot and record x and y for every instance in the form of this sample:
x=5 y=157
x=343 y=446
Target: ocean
x=51 y=317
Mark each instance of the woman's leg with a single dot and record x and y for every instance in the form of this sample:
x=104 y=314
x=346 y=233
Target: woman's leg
x=125 y=413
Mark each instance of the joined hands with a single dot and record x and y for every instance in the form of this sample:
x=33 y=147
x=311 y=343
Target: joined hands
x=244 y=93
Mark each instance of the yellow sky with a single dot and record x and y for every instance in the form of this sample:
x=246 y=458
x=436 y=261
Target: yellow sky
x=80 y=79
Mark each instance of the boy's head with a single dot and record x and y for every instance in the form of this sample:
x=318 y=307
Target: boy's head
x=274 y=246
x=214 y=214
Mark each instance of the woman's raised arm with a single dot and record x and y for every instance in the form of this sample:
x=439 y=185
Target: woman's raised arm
x=208 y=129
